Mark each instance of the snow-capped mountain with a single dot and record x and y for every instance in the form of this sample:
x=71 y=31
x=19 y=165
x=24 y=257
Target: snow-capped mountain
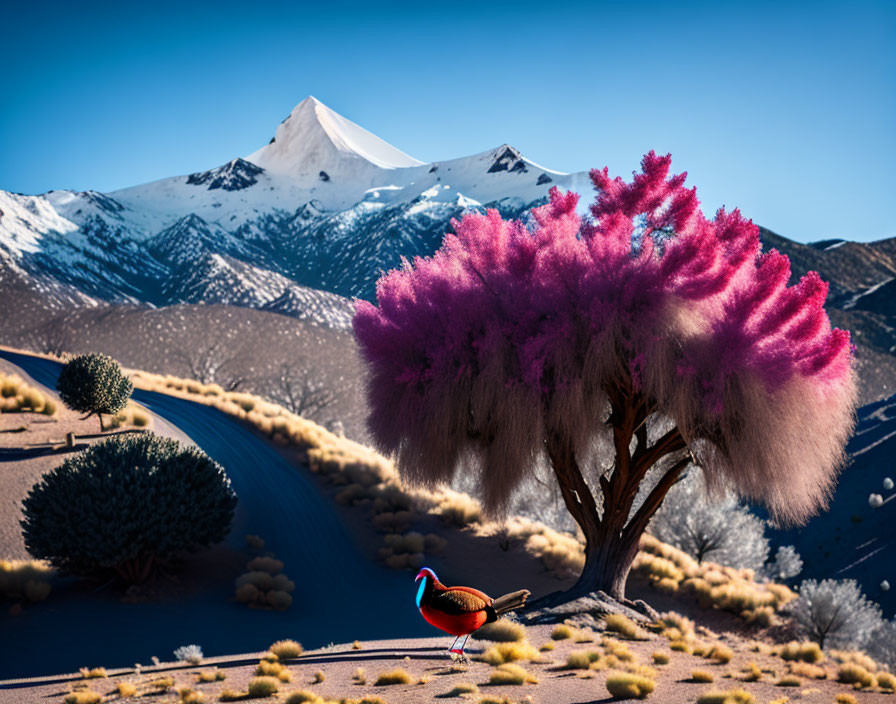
x=325 y=205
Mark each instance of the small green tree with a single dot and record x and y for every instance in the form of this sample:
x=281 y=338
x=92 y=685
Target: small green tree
x=94 y=384
x=125 y=505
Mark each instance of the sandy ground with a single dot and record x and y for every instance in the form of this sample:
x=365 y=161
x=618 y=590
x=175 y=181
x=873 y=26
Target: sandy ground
x=433 y=675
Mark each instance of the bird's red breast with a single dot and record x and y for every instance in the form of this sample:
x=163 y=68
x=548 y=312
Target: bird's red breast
x=456 y=610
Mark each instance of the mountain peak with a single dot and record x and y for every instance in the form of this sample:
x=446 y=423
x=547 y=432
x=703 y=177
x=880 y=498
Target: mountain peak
x=315 y=139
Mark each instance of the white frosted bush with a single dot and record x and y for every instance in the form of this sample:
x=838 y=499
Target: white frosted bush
x=835 y=613
x=189 y=653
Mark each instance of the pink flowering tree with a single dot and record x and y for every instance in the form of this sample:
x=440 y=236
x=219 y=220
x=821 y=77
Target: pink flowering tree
x=671 y=336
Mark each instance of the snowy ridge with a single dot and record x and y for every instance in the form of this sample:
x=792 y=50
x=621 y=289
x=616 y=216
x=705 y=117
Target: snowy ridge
x=325 y=205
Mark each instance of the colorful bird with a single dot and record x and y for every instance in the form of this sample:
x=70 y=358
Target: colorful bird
x=461 y=610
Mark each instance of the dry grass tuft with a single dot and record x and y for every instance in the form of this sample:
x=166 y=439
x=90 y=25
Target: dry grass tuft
x=260 y=687
x=212 y=675
x=751 y=672
x=562 y=632
x=502 y=653
x=582 y=659
x=95 y=673
x=624 y=626
x=805 y=669
x=854 y=674
x=501 y=631
x=286 y=649
x=661 y=658
x=886 y=681
x=318 y=677
x=126 y=689
x=188 y=695
x=625 y=685
x=721 y=653
x=304 y=697
x=396 y=676
x=702 y=676
x=83 y=696
x=359 y=676
x=731 y=696
x=460 y=689
x=511 y=674
x=807 y=651
x=789 y=681
x=844 y=698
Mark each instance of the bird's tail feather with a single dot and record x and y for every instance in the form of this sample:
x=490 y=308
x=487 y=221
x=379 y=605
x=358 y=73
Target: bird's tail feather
x=511 y=601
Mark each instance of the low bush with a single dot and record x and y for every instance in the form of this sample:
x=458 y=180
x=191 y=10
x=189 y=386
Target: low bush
x=83 y=696
x=502 y=653
x=886 y=681
x=789 y=681
x=212 y=675
x=260 y=687
x=805 y=669
x=304 y=697
x=843 y=698
x=731 y=696
x=751 y=672
x=390 y=677
x=191 y=654
x=318 y=677
x=855 y=674
x=624 y=626
x=95 y=673
x=661 y=658
x=460 y=689
x=562 y=632
x=807 y=651
x=286 y=649
x=721 y=653
x=582 y=659
x=88 y=517
x=625 y=685
x=501 y=631
x=511 y=674
x=126 y=689
x=702 y=676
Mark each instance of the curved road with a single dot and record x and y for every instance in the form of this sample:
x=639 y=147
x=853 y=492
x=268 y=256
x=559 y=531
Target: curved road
x=340 y=595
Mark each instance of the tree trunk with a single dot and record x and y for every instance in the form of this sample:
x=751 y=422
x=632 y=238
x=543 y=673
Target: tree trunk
x=612 y=535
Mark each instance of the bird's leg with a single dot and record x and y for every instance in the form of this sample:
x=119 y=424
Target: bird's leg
x=458 y=653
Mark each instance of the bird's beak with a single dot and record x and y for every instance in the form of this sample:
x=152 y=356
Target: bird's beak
x=420 y=575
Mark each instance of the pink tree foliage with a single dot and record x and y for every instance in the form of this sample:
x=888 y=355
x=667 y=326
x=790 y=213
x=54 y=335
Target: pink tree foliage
x=515 y=343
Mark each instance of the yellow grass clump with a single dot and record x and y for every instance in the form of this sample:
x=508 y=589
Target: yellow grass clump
x=702 y=676
x=511 y=673
x=16 y=396
x=390 y=677
x=83 y=696
x=212 y=675
x=562 y=632
x=624 y=626
x=582 y=659
x=661 y=658
x=805 y=669
x=731 y=696
x=286 y=649
x=854 y=674
x=886 y=681
x=501 y=631
x=93 y=673
x=260 y=687
x=502 y=653
x=318 y=677
x=807 y=651
x=844 y=698
x=188 y=695
x=625 y=685
x=460 y=689
x=721 y=653
x=304 y=697
x=126 y=689
x=789 y=681
x=751 y=672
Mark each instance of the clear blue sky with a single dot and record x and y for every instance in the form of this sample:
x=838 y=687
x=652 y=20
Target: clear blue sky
x=786 y=110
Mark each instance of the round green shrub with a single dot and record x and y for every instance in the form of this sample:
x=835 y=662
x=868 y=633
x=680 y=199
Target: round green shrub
x=94 y=384
x=125 y=505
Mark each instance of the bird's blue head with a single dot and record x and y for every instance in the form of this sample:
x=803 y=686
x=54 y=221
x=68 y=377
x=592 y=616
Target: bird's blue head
x=426 y=577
